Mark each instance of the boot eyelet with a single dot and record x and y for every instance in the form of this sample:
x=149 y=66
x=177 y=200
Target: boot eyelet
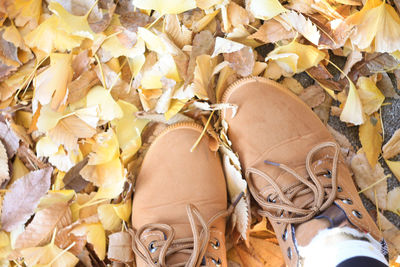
x=216 y=244
x=357 y=214
x=328 y=174
x=339 y=189
x=347 y=201
x=217 y=263
x=289 y=253
x=270 y=200
x=152 y=248
x=285 y=235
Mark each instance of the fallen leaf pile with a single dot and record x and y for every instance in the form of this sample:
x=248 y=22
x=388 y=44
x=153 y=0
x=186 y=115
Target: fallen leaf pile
x=86 y=85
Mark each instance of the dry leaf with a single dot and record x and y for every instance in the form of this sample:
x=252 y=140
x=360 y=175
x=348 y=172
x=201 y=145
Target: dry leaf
x=237 y=15
x=4 y=169
x=265 y=9
x=391 y=235
x=354 y=57
x=394 y=166
x=371 y=97
x=202 y=76
x=9 y=138
x=241 y=61
x=392 y=147
x=73 y=180
x=40 y=230
x=49 y=37
x=295 y=57
x=313 y=96
x=25 y=12
x=377 y=25
x=119 y=247
x=178 y=33
x=293 y=85
x=370 y=134
x=393 y=198
x=69 y=130
x=95 y=235
x=272 y=31
x=49 y=255
x=51 y=84
x=365 y=176
x=302 y=25
x=22 y=198
x=353 y=110
x=163 y=7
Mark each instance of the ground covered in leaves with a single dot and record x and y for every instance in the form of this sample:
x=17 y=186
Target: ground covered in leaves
x=85 y=86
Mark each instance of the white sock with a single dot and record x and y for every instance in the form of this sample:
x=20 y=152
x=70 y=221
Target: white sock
x=330 y=247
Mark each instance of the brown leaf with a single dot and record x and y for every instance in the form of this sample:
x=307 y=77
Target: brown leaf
x=119 y=247
x=9 y=139
x=352 y=59
x=386 y=86
x=272 y=31
x=6 y=70
x=79 y=87
x=313 y=96
x=374 y=63
x=64 y=239
x=365 y=176
x=132 y=20
x=241 y=61
x=345 y=145
x=237 y=15
x=40 y=230
x=28 y=157
x=22 y=198
x=4 y=168
x=73 y=180
x=323 y=110
x=80 y=63
x=392 y=147
x=178 y=33
x=8 y=52
x=102 y=24
x=69 y=130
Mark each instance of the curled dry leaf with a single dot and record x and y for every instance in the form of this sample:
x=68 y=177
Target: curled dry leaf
x=365 y=176
x=119 y=247
x=22 y=198
x=392 y=147
x=345 y=145
x=313 y=96
x=73 y=180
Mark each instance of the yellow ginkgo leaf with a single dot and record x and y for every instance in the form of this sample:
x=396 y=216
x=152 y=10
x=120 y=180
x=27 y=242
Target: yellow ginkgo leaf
x=166 y=7
x=48 y=119
x=105 y=149
x=394 y=166
x=5 y=245
x=95 y=235
x=109 y=218
x=48 y=37
x=202 y=75
x=295 y=57
x=104 y=175
x=353 y=110
x=377 y=27
x=175 y=106
x=49 y=255
x=370 y=95
x=25 y=12
x=108 y=108
x=153 y=42
x=393 y=199
x=123 y=210
x=265 y=9
x=128 y=130
x=18 y=170
x=51 y=84
x=111 y=191
x=45 y=147
x=116 y=49
x=370 y=134
x=74 y=25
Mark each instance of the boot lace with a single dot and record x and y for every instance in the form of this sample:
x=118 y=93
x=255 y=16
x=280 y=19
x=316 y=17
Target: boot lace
x=195 y=246
x=281 y=201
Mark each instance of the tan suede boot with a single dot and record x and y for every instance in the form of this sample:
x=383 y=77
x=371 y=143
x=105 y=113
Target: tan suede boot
x=180 y=202
x=292 y=165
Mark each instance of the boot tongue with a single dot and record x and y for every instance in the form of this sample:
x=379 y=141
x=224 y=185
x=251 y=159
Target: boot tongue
x=331 y=217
